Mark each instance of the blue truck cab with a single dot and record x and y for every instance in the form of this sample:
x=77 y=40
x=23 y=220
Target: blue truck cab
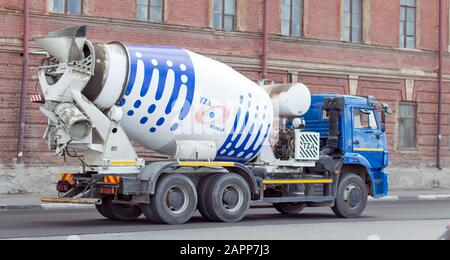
x=362 y=137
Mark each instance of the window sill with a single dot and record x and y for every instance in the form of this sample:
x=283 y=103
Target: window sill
x=291 y=37
x=68 y=14
x=224 y=30
x=353 y=44
x=149 y=22
x=409 y=50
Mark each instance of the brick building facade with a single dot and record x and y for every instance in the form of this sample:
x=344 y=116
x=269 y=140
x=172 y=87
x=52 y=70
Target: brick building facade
x=320 y=56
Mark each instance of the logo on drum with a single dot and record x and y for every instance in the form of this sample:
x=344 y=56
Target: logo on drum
x=212 y=115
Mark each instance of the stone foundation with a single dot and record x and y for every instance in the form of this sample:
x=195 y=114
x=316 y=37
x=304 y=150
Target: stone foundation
x=22 y=179
x=418 y=178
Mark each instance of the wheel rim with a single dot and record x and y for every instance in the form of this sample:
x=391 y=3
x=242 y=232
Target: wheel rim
x=177 y=200
x=353 y=196
x=232 y=198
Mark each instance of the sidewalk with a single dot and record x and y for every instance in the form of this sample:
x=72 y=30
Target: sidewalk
x=416 y=195
x=16 y=202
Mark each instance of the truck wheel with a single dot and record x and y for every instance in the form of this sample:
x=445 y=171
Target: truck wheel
x=202 y=197
x=174 y=202
x=290 y=208
x=227 y=198
x=105 y=208
x=352 y=197
x=113 y=211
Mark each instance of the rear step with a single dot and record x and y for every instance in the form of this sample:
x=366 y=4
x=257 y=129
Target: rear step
x=72 y=201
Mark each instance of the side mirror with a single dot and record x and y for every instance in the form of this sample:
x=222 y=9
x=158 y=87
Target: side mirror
x=385 y=110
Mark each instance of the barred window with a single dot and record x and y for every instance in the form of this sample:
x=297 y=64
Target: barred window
x=352 y=21
x=150 y=10
x=408 y=24
x=66 y=6
x=407 y=114
x=225 y=17
x=292 y=18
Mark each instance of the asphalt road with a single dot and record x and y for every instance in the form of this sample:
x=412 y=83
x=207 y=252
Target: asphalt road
x=394 y=220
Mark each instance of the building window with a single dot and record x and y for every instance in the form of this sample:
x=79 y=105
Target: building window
x=150 y=10
x=408 y=24
x=407 y=114
x=225 y=17
x=292 y=18
x=66 y=6
x=352 y=21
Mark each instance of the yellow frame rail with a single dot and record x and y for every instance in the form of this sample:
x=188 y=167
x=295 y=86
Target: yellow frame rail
x=275 y=182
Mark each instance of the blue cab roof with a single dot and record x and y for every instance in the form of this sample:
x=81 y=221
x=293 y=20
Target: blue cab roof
x=349 y=100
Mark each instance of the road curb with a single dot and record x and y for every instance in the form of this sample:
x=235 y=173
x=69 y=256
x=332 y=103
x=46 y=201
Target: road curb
x=386 y=199
x=43 y=207
x=411 y=198
x=47 y=207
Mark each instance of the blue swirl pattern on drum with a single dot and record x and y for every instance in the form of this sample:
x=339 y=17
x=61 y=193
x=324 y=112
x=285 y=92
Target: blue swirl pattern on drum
x=238 y=147
x=158 y=63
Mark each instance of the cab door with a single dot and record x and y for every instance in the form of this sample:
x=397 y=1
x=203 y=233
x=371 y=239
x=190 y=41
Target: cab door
x=368 y=136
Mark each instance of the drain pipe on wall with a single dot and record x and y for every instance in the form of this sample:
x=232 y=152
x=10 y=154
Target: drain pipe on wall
x=23 y=94
x=442 y=8
x=265 y=40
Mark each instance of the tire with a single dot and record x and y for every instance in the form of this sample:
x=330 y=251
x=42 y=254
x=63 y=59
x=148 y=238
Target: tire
x=151 y=215
x=290 y=208
x=113 y=211
x=227 y=198
x=174 y=202
x=202 y=197
x=352 y=197
x=105 y=209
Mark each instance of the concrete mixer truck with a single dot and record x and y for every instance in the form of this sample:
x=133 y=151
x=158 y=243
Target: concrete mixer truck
x=229 y=142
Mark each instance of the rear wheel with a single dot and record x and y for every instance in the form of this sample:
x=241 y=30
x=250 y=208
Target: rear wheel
x=202 y=197
x=352 y=197
x=290 y=208
x=121 y=212
x=105 y=209
x=174 y=202
x=226 y=198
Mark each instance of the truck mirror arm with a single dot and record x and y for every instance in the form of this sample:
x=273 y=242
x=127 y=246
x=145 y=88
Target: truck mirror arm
x=385 y=110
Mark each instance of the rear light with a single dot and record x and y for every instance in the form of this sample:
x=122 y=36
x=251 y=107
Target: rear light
x=107 y=191
x=63 y=186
